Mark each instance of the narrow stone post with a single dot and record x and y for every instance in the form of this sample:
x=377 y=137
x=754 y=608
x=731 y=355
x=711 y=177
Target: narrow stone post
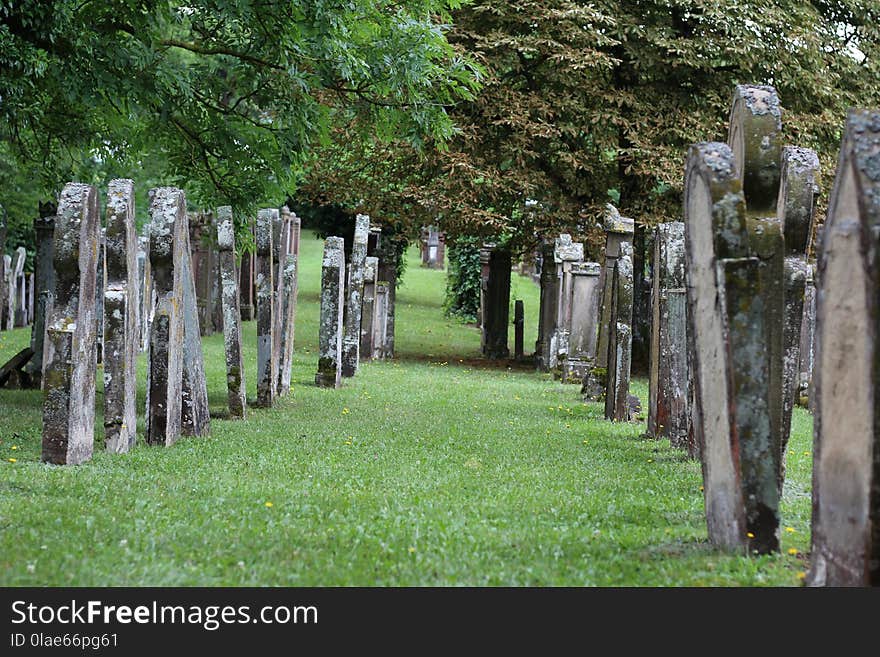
x=9 y=294
x=618 y=230
x=497 y=303
x=668 y=410
x=44 y=229
x=583 y=331
x=288 y=314
x=4 y=292
x=201 y=230
x=17 y=307
x=69 y=382
x=806 y=352
x=368 y=308
x=99 y=292
x=620 y=337
x=246 y=284
x=267 y=373
x=518 y=327
x=388 y=263
x=235 y=382
x=120 y=320
x=545 y=346
x=145 y=288
x=352 y=336
x=846 y=422
x=330 y=330
x=380 y=324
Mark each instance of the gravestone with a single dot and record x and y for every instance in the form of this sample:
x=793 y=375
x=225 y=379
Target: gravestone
x=389 y=261
x=432 y=246
x=545 y=346
x=99 y=291
x=329 y=372
x=17 y=305
x=567 y=254
x=246 y=282
x=727 y=355
x=202 y=229
x=145 y=289
x=668 y=411
x=352 y=332
x=279 y=261
x=70 y=343
x=235 y=383
x=9 y=293
x=806 y=352
x=380 y=324
x=288 y=316
x=44 y=282
x=618 y=230
x=796 y=207
x=583 y=321
x=121 y=330
x=496 y=299
x=846 y=424
x=177 y=400
x=617 y=402
x=3 y=267
x=368 y=308
x=267 y=364
x=518 y=328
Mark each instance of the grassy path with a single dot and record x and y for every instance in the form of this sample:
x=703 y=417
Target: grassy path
x=433 y=469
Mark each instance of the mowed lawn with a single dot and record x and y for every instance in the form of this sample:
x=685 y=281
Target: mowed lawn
x=436 y=468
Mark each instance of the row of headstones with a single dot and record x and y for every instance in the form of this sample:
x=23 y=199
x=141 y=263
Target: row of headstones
x=357 y=306
x=585 y=316
x=151 y=289
x=733 y=339
x=16 y=291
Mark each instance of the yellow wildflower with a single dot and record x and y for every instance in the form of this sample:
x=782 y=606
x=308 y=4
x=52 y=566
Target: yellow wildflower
x=792 y=551
x=269 y=505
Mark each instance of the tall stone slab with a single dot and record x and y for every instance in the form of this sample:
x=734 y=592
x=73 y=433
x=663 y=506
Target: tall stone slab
x=17 y=313
x=351 y=340
x=754 y=137
x=617 y=405
x=668 y=412
x=518 y=329
x=618 y=230
x=583 y=331
x=202 y=230
x=8 y=310
x=496 y=311
x=290 y=287
x=808 y=331
x=368 y=307
x=279 y=260
x=145 y=289
x=235 y=382
x=796 y=208
x=545 y=345
x=121 y=330
x=267 y=364
x=99 y=291
x=567 y=254
x=177 y=400
x=329 y=374
x=389 y=262
x=846 y=405
x=4 y=292
x=247 y=282
x=44 y=282
x=380 y=323
x=728 y=355
x=69 y=363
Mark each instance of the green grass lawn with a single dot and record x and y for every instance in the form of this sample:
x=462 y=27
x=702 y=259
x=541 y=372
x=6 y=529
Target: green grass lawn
x=436 y=468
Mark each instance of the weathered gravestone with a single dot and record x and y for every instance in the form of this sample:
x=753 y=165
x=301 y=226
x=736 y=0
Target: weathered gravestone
x=583 y=321
x=617 y=397
x=145 y=289
x=8 y=295
x=668 y=412
x=796 y=206
x=495 y=285
x=618 y=230
x=235 y=384
x=368 y=309
x=389 y=261
x=518 y=329
x=177 y=401
x=267 y=364
x=246 y=283
x=99 y=292
x=352 y=332
x=202 y=230
x=279 y=260
x=44 y=229
x=806 y=352
x=289 y=290
x=380 y=324
x=545 y=345
x=846 y=405
x=727 y=356
x=16 y=289
x=330 y=328
x=70 y=344
x=432 y=246
x=567 y=254
x=121 y=330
